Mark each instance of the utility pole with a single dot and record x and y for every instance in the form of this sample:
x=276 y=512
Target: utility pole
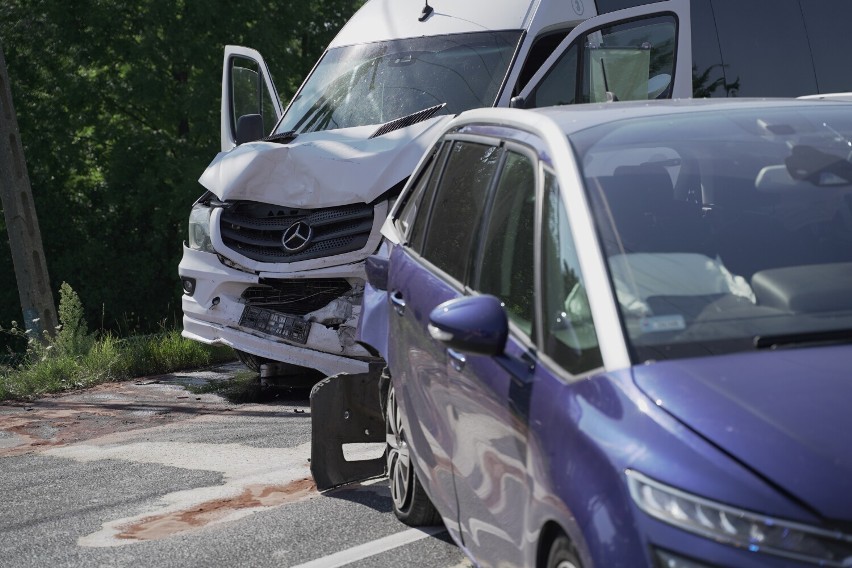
x=21 y=221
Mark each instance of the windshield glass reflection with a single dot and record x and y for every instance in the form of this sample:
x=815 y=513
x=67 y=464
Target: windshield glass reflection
x=726 y=231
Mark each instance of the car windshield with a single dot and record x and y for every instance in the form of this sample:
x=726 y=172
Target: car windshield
x=378 y=82
x=726 y=230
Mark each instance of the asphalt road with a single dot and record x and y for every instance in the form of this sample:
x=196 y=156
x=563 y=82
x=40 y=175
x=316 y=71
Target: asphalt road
x=148 y=473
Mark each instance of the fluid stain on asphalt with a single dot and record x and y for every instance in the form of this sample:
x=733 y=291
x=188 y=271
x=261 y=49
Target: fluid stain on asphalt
x=254 y=496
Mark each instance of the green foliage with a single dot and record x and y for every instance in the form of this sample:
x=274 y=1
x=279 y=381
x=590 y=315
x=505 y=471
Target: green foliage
x=76 y=359
x=73 y=338
x=118 y=107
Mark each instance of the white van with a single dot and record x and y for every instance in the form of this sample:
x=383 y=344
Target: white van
x=274 y=263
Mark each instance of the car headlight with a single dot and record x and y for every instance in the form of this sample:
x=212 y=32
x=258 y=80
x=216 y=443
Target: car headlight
x=199 y=228
x=744 y=529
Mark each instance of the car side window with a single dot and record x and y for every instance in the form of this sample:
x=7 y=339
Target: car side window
x=459 y=201
x=569 y=332
x=413 y=217
x=507 y=268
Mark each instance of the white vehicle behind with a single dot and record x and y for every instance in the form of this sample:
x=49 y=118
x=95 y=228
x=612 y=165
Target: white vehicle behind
x=275 y=261
x=274 y=264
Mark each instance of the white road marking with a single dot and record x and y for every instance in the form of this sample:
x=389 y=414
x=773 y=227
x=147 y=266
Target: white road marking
x=240 y=465
x=373 y=548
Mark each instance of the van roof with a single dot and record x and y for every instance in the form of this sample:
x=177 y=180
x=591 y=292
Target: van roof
x=380 y=20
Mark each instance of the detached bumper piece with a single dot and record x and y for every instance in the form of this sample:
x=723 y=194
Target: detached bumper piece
x=346 y=409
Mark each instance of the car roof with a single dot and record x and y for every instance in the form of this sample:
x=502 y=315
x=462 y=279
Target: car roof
x=574 y=118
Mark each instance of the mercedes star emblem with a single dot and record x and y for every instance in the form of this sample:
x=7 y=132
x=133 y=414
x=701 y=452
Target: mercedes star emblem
x=297 y=237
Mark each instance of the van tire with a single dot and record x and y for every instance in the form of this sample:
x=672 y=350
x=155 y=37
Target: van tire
x=253 y=362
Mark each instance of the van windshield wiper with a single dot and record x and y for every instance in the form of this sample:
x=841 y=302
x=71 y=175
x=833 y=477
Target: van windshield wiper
x=408 y=120
x=809 y=337
x=282 y=137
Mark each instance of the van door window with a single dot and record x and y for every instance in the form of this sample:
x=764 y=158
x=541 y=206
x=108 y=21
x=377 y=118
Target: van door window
x=631 y=61
x=249 y=93
x=541 y=49
x=627 y=61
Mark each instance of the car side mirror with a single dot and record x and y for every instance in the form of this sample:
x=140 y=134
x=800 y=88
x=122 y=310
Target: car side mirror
x=249 y=128
x=472 y=324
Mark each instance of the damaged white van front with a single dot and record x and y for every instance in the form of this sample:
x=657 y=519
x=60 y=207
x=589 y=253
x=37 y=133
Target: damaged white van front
x=274 y=262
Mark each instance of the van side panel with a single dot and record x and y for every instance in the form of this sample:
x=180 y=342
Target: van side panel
x=766 y=48
x=827 y=23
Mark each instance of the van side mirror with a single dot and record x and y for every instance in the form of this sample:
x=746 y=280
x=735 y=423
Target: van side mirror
x=517 y=102
x=249 y=128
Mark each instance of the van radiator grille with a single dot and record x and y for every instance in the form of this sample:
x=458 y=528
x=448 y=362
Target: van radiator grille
x=296 y=297
x=256 y=230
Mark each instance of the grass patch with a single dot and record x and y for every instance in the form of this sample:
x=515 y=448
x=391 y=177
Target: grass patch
x=73 y=358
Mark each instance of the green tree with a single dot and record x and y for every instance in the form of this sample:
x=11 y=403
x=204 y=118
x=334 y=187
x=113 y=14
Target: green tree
x=118 y=106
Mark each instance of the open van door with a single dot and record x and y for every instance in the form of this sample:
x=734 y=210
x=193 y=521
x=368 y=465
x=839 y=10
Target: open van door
x=250 y=103
x=639 y=53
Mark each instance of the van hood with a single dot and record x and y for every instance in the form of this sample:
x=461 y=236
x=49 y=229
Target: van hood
x=321 y=169
x=784 y=413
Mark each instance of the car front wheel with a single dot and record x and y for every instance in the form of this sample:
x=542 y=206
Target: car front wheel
x=562 y=554
x=410 y=502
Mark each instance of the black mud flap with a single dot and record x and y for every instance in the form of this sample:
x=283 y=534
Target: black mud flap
x=346 y=409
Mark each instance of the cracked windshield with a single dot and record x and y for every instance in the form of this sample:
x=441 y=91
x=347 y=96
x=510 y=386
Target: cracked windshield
x=379 y=82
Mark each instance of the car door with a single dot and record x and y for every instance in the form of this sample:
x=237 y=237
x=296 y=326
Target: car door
x=247 y=89
x=638 y=53
x=427 y=269
x=490 y=395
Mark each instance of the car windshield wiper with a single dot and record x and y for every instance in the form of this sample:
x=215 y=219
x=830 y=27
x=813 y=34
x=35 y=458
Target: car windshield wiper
x=810 y=337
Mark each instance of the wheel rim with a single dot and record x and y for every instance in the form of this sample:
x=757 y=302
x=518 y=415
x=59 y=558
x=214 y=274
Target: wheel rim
x=399 y=460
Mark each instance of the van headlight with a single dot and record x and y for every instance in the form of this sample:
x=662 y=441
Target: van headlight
x=743 y=529
x=199 y=228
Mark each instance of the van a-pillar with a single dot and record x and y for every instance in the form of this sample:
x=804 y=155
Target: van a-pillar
x=21 y=221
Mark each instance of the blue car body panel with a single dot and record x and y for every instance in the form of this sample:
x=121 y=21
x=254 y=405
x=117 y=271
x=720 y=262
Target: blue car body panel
x=785 y=412
x=512 y=448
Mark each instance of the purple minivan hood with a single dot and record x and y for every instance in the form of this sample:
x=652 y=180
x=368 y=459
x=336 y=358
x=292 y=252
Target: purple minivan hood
x=321 y=169
x=787 y=414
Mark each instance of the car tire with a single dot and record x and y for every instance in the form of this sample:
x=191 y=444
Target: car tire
x=411 y=505
x=563 y=554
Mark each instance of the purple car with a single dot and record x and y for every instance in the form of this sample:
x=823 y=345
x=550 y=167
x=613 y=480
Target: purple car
x=619 y=335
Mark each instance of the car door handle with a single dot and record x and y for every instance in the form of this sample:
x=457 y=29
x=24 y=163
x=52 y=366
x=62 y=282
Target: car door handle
x=457 y=360
x=398 y=303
